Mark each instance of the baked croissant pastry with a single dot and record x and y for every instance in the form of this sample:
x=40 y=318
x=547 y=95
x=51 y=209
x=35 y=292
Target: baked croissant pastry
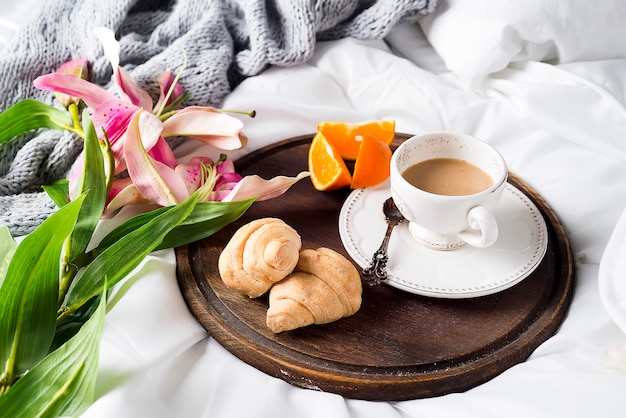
x=259 y=254
x=323 y=287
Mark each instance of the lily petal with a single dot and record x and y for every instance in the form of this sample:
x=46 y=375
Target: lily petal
x=156 y=181
x=222 y=190
x=118 y=185
x=129 y=195
x=191 y=173
x=92 y=94
x=205 y=124
x=128 y=88
x=75 y=175
x=225 y=167
x=225 y=178
x=162 y=152
x=131 y=90
x=254 y=185
x=113 y=116
x=150 y=127
x=110 y=45
x=165 y=84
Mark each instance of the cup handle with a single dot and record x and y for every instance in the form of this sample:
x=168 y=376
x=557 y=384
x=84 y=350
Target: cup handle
x=484 y=228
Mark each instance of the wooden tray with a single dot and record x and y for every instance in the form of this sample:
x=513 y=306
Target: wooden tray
x=398 y=345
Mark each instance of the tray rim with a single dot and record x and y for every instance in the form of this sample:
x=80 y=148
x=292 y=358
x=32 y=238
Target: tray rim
x=234 y=338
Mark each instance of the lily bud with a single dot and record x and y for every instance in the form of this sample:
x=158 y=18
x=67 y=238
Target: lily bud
x=80 y=68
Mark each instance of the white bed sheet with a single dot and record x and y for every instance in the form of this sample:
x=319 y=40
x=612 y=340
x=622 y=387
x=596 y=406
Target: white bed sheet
x=13 y=14
x=561 y=128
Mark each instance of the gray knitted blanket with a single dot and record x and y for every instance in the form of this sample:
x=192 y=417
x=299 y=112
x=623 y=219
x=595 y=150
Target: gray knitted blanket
x=225 y=41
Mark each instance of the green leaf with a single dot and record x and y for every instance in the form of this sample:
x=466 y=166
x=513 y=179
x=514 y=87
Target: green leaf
x=114 y=263
x=63 y=383
x=58 y=192
x=7 y=248
x=205 y=219
x=29 y=294
x=30 y=114
x=94 y=180
x=69 y=325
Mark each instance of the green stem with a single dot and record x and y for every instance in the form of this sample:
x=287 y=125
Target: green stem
x=69 y=272
x=72 y=129
x=73 y=109
x=251 y=113
x=5 y=385
x=166 y=115
x=71 y=269
x=76 y=124
x=8 y=378
x=63 y=312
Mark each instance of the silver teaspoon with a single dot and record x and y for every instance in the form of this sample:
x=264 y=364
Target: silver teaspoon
x=376 y=271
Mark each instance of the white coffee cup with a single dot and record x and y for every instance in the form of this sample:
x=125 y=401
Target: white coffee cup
x=437 y=219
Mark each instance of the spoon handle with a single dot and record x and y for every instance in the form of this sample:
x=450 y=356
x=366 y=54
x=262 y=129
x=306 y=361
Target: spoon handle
x=376 y=271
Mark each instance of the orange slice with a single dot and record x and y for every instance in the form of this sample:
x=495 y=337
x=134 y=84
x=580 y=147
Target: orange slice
x=347 y=136
x=327 y=168
x=372 y=162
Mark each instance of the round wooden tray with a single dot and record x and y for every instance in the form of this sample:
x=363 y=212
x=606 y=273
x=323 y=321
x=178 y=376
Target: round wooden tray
x=398 y=345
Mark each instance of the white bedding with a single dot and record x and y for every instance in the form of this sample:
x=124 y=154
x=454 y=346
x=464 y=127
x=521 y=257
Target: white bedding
x=561 y=127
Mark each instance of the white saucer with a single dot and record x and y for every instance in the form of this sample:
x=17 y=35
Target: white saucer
x=612 y=274
x=463 y=273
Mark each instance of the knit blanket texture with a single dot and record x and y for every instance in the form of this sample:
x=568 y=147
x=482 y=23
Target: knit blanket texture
x=225 y=42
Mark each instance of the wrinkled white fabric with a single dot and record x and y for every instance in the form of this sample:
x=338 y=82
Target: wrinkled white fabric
x=576 y=165
x=476 y=39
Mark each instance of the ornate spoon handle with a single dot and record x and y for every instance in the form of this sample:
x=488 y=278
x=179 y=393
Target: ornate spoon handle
x=376 y=271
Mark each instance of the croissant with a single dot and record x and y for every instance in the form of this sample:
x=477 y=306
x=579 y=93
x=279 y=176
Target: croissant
x=259 y=254
x=323 y=287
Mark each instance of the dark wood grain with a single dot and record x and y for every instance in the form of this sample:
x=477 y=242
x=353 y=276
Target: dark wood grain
x=398 y=345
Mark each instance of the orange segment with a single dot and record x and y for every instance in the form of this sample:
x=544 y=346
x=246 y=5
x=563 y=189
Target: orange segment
x=327 y=168
x=372 y=162
x=347 y=137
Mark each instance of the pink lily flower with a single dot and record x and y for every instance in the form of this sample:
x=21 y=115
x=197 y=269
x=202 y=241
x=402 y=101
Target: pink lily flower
x=150 y=180
x=136 y=131
x=113 y=113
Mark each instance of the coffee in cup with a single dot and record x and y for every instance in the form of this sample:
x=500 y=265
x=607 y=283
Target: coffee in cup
x=448 y=177
x=447 y=185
